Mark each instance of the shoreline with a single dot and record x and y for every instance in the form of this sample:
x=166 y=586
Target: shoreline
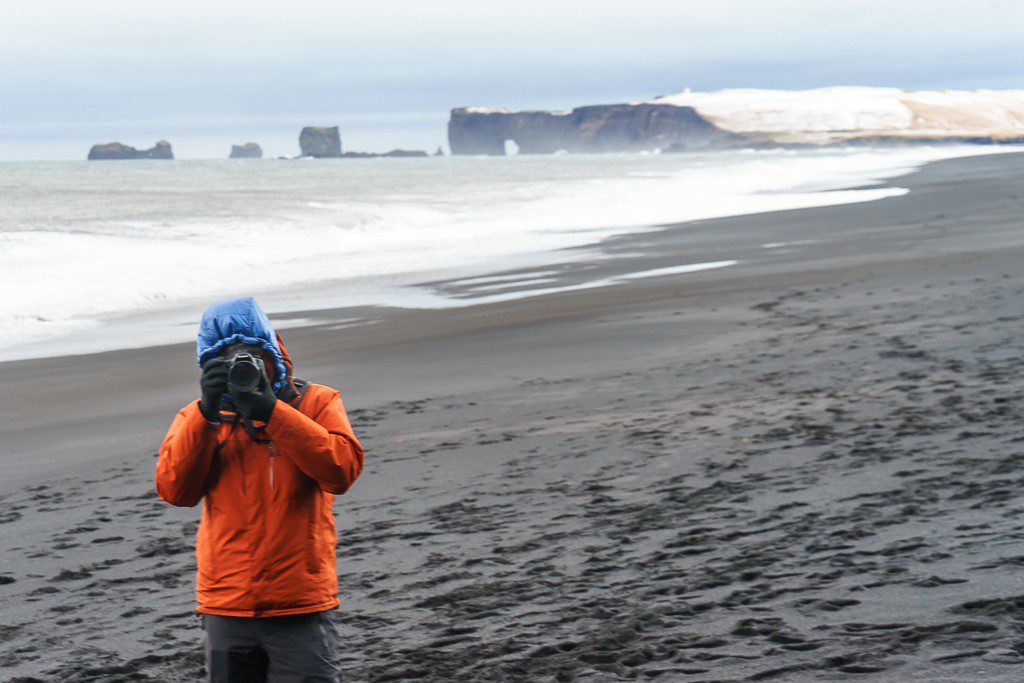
x=803 y=464
x=172 y=367
x=857 y=181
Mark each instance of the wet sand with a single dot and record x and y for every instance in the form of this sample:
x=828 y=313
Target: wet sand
x=799 y=467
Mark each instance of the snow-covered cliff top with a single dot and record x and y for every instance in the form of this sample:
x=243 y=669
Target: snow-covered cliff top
x=832 y=114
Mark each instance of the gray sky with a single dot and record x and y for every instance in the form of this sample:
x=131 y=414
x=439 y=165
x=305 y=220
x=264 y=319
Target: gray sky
x=205 y=75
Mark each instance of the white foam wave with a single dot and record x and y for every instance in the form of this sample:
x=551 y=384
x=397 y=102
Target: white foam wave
x=81 y=244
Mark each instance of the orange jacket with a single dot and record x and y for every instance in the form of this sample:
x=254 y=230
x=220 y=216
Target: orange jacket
x=266 y=541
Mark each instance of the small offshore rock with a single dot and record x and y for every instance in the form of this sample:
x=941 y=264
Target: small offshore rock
x=117 y=150
x=249 y=150
x=392 y=153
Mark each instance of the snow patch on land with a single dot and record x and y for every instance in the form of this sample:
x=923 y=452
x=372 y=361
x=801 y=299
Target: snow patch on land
x=833 y=114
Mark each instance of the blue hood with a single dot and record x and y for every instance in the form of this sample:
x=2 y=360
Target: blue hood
x=239 y=320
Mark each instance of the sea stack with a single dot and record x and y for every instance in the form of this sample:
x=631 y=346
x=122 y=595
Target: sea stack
x=249 y=150
x=116 y=150
x=320 y=142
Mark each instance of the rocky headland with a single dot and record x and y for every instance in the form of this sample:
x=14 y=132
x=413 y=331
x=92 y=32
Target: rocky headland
x=749 y=118
x=598 y=128
x=117 y=150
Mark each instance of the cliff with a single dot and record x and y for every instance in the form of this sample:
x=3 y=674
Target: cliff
x=862 y=115
x=249 y=150
x=116 y=150
x=748 y=117
x=596 y=128
x=320 y=141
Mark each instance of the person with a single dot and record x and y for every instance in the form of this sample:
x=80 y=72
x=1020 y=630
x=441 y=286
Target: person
x=267 y=464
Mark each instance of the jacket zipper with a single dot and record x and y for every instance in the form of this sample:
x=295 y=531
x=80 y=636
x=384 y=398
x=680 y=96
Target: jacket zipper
x=271 y=446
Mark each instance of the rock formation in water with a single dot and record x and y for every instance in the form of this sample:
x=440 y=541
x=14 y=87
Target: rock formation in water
x=249 y=150
x=597 y=128
x=392 y=153
x=116 y=150
x=439 y=152
x=405 y=153
x=320 y=141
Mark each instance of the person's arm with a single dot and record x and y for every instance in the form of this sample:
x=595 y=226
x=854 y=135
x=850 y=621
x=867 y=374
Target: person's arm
x=324 y=448
x=185 y=457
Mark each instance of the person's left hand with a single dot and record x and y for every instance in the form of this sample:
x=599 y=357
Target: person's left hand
x=259 y=403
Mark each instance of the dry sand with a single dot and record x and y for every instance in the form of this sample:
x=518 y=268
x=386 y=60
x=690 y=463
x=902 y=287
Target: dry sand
x=801 y=467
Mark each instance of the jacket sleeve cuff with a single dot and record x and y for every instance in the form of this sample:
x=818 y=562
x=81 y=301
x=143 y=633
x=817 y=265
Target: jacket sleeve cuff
x=196 y=418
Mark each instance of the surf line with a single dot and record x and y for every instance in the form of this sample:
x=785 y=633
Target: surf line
x=603 y=282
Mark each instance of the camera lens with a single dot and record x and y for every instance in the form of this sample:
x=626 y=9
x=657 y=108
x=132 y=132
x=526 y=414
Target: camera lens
x=244 y=375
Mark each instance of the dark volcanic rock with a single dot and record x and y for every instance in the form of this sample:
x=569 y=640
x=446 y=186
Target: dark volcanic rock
x=320 y=141
x=249 y=150
x=392 y=153
x=405 y=153
x=116 y=150
x=909 y=140
x=597 y=128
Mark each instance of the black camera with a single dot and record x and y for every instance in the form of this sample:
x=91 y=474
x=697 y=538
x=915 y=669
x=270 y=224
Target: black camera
x=244 y=372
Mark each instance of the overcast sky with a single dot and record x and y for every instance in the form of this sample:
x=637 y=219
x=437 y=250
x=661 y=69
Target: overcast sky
x=205 y=75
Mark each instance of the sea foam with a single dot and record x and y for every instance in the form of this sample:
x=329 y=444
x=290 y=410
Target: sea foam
x=83 y=245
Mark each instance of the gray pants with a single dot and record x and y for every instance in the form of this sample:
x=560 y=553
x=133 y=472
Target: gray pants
x=300 y=648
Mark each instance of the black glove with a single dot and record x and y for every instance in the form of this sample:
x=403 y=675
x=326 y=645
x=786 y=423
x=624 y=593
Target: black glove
x=257 y=404
x=212 y=384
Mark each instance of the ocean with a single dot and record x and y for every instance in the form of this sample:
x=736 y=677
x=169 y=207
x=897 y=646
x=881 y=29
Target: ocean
x=85 y=246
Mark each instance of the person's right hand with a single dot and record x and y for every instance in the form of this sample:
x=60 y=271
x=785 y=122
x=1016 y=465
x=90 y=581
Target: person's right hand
x=212 y=383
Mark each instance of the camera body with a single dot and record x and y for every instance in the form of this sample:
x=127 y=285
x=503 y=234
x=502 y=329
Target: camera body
x=245 y=370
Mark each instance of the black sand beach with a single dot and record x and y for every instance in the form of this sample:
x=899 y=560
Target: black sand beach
x=799 y=467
